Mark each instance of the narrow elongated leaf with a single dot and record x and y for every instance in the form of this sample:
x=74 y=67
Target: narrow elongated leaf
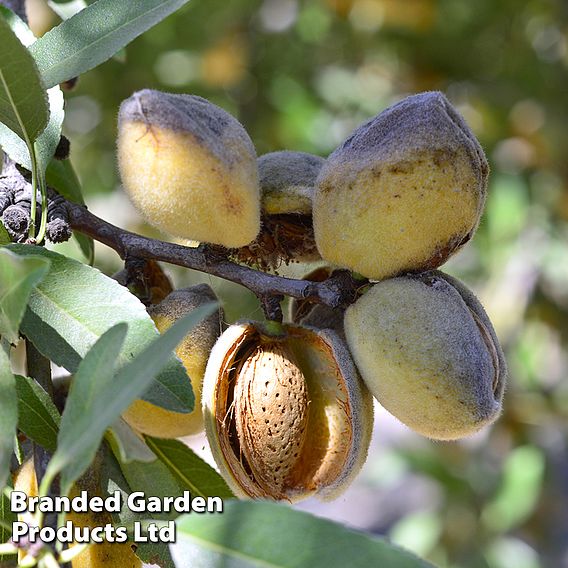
x=47 y=141
x=4 y=236
x=94 y=34
x=38 y=417
x=96 y=398
x=81 y=418
x=127 y=444
x=270 y=535
x=113 y=479
x=8 y=416
x=87 y=246
x=155 y=553
x=191 y=471
x=61 y=176
x=7 y=519
x=18 y=276
x=153 y=479
x=75 y=304
x=23 y=101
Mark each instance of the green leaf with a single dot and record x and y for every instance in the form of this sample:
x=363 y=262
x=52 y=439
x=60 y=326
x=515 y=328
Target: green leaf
x=112 y=479
x=8 y=416
x=97 y=398
x=128 y=446
x=4 y=236
x=61 y=176
x=23 y=101
x=18 y=276
x=271 y=535
x=85 y=417
x=152 y=478
x=7 y=519
x=75 y=304
x=48 y=140
x=38 y=417
x=191 y=471
x=94 y=34
x=87 y=246
x=155 y=553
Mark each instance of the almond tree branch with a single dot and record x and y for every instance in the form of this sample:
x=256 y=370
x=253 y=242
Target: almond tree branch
x=338 y=290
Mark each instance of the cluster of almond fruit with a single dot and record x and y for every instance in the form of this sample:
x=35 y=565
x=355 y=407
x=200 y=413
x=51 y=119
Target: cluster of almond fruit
x=288 y=408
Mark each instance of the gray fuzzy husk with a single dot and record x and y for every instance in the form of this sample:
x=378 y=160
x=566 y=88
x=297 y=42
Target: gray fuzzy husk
x=208 y=123
x=280 y=171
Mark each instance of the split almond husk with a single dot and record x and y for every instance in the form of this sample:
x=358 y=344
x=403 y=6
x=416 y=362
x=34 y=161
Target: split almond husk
x=286 y=414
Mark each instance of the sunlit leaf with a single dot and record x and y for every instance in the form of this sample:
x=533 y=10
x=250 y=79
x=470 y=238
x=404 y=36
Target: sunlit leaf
x=18 y=277
x=95 y=34
x=8 y=416
x=277 y=536
x=38 y=417
x=23 y=100
x=75 y=304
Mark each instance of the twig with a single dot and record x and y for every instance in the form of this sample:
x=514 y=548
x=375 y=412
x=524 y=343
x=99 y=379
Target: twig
x=338 y=290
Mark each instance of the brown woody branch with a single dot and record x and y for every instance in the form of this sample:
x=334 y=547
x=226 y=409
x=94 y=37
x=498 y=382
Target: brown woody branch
x=338 y=290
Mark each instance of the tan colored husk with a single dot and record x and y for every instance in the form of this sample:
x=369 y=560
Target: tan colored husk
x=323 y=435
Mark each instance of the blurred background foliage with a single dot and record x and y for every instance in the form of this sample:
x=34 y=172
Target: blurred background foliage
x=301 y=75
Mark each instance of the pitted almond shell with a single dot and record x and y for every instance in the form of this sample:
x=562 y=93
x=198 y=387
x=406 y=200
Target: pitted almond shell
x=286 y=415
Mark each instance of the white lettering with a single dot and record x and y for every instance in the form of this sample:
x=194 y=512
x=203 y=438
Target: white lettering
x=19 y=529
x=136 y=502
x=198 y=505
x=18 y=501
